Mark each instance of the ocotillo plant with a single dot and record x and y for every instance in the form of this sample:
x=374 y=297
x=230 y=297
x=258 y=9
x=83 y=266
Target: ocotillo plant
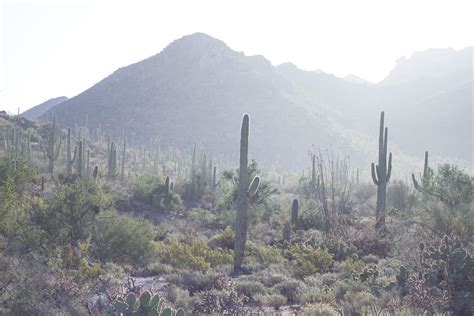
x=245 y=192
x=69 y=160
x=53 y=147
x=381 y=174
x=425 y=178
x=294 y=214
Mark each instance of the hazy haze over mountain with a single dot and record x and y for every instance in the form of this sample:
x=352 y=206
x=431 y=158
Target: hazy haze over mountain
x=197 y=88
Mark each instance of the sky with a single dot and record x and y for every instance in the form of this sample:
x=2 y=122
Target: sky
x=54 y=48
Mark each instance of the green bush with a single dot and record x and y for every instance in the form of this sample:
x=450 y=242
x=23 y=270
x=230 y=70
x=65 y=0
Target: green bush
x=69 y=215
x=250 y=289
x=223 y=239
x=193 y=253
x=273 y=300
x=123 y=239
x=144 y=185
x=308 y=260
x=318 y=309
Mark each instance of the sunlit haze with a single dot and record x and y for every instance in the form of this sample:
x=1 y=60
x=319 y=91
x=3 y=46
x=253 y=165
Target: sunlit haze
x=62 y=48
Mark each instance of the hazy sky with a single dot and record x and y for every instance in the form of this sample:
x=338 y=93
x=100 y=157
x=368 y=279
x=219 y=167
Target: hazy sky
x=55 y=48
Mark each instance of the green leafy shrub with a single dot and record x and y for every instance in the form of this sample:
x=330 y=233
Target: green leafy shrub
x=274 y=300
x=308 y=260
x=194 y=253
x=319 y=309
x=250 y=289
x=204 y=217
x=223 y=239
x=290 y=288
x=123 y=239
x=144 y=185
x=69 y=215
x=221 y=299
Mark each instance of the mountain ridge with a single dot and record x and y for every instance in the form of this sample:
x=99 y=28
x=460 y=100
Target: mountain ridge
x=197 y=88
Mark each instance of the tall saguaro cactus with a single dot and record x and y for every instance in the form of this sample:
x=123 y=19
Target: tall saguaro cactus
x=425 y=178
x=381 y=174
x=246 y=191
x=69 y=160
x=112 y=171
x=294 y=214
x=54 y=146
x=124 y=153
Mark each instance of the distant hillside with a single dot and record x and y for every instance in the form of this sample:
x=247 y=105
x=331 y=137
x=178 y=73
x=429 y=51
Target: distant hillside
x=197 y=89
x=38 y=110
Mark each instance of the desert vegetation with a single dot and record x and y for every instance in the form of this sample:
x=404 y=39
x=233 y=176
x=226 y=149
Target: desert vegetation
x=94 y=223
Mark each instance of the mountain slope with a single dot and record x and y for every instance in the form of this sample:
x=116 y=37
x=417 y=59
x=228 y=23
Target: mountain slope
x=38 y=110
x=197 y=89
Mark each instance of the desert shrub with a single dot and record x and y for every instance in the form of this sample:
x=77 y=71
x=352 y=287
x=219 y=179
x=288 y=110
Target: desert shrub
x=270 y=276
x=250 y=288
x=223 y=239
x=449 y=201
x=352 y=266
x=123 y=239
x=445 y=274
x=204 y=217
x=195 y=281
x=369 y=242
x=308 y=260
x=400 y=196
x=69 y=215
x=339 y=249
x=318 y=309
x=13 y=211
x=266 y=255
x=178 y=296
x=312 y=218
x=274 y=300
x=144 y=185
x=223 y=298
x=193 y=253
x=19 y=170
x=353 y=297
x=290 y=288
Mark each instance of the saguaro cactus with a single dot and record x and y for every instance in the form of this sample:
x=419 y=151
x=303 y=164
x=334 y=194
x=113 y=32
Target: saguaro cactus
x=112 y=171
x=425 y=178
x=124 y=153
x=69 y=160
x=53 y=147
x=245 y=192
x=294 y=214
x=381 y=174
x=81 y=158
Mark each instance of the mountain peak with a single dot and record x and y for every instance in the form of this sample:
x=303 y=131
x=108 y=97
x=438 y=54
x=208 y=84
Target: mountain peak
x=197 y=42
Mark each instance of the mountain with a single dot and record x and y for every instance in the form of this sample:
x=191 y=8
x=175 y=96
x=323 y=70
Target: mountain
x=356 y=79
x=38 y=110
x=197 y=89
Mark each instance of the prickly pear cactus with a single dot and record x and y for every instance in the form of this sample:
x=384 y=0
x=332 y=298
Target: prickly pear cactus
x=146 y=305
